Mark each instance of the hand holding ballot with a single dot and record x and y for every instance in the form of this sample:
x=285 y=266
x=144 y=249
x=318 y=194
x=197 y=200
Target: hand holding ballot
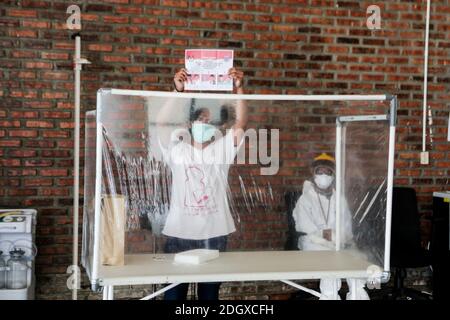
x=208 y=69
x=235 y=76
x=179 y=79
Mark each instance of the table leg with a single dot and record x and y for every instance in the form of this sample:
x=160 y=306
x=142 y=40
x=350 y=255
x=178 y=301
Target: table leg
x=352 y=284
x=108 y=293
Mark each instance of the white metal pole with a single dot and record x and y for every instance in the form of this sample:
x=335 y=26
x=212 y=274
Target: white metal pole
x=225 y=96
x=390 y=185
x=106 y=293
x=300 y=287
x=98 y=190
x=425 y=78
x=76 y=168
x=338 y=183
x=110 y=292
x=157 y=293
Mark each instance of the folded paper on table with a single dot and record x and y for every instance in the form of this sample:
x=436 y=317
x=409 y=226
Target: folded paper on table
x=196 y=256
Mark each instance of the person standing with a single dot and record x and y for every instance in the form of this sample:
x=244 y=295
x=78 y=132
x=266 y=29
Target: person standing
x=199 y=157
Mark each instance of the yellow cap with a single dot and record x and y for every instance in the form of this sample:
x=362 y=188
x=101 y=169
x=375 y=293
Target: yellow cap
x=324 y=157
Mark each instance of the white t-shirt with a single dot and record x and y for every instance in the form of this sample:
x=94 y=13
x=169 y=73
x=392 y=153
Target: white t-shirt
x=199 y=205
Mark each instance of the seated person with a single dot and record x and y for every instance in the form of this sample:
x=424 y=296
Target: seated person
x=315 y=219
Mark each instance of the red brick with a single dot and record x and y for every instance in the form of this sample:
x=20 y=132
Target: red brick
x=65 y=144
x=53 y=172
x=66 y=125
x=116 y=58
x=10 y=143
x=37 y=182
x=39 y=124
x=100 y=47
x=56 y=114
x=36 y=24
x=22 y=192
x=38 y=163
x=11 y=124
x=23 y=94
x=65 y=182
x=9 y=162
x=21 y=172
x=175 y=3
x=128 y=10
x=22 y=13
x=55 y=153
x=55 y=134
x=22 y=153
x=23 y=133
x=54 y=192
x=55 y=75
x=38 y=65
x=115 y=19
x=39 y=144
x=54 y=95
x=38 y=203
x=23 y=33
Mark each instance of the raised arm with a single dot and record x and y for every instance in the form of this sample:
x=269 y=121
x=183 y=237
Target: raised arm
x=241 y=106
x=170 y=108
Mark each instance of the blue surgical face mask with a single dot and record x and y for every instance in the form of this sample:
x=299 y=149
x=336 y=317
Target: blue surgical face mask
x=202 y=132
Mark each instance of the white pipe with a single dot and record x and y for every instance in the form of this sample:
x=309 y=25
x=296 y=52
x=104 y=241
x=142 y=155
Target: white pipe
x=295 y=285
x=338 y=184
x=390 y=185
x=98 y=192
x=110 y=292
x=157 y=293
x=105 y=293
x=76 y=168
x=425 y=78
x=249 y=96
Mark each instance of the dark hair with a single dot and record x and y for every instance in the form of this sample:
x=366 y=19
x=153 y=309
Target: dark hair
x=195 y=113
x=224 y=114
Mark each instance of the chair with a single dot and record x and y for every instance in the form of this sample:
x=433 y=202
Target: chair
x=439 y=249
x=291 y=198
x=406 y=249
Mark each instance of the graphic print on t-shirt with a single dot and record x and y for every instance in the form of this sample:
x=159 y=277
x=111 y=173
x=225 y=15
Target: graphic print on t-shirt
x=198 y=198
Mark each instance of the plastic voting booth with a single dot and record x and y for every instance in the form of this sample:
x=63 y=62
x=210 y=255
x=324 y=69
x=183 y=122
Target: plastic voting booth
x=165 y=166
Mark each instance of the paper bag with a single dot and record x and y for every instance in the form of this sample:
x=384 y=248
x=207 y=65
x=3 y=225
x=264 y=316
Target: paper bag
x=113 y=230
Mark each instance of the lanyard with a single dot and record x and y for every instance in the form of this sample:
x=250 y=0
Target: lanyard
x=325 y=217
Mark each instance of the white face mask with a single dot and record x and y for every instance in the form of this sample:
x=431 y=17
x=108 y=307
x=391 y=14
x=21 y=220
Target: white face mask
x=323 y=181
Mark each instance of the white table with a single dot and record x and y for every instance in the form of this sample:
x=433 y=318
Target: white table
x=141 y=269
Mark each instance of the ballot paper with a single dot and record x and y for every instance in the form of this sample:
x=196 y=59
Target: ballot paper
x=196 y=256
x=208 y=69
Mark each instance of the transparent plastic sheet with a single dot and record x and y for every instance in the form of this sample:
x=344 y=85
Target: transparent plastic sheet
x=282 y=138
x=365 y=150
x=89 y=191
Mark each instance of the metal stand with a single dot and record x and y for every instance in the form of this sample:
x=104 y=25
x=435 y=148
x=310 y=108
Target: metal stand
x=78 y=62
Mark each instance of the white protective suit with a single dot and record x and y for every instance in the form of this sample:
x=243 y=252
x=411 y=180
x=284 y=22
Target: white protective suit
x=310 y=218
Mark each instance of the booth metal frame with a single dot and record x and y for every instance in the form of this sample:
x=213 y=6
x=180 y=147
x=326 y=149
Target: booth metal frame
x=260 y=265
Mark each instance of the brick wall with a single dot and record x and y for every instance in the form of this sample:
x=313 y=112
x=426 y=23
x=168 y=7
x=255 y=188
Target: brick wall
x=284 y=46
